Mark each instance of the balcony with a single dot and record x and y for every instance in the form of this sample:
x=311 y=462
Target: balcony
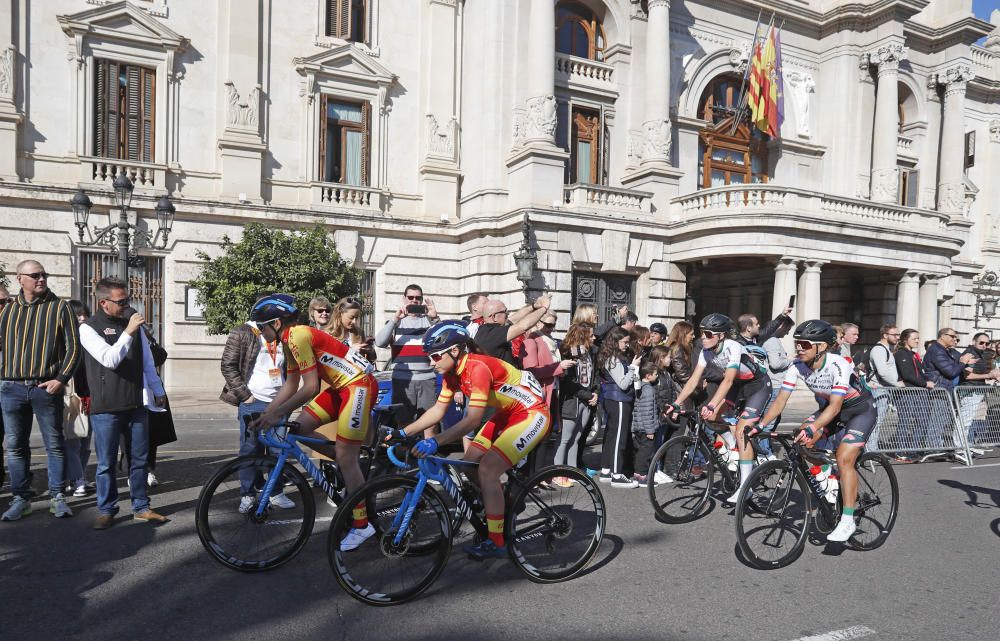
x=904 y=145
x=741 y=200
x=339 y=196
x=585 y=75
x=103 y=171
x=604 y=199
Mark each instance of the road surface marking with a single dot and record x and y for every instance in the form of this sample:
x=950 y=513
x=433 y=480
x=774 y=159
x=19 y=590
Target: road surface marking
x=974 y=467
x=853 y=632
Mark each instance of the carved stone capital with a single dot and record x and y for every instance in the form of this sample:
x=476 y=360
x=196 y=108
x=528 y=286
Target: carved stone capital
x=888 y=57
x=956 y=79
x=995 y=131
x=658 y=4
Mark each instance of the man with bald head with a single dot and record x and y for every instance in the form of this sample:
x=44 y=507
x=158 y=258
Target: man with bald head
x=499 y=328
x=41 y=350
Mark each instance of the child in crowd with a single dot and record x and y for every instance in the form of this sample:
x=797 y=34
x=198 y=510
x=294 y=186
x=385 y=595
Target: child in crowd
x=645 y=419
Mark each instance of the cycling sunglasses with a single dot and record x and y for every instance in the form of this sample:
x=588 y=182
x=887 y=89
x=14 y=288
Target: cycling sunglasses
x=710 y=334
x=437 y=356
x=804 y=345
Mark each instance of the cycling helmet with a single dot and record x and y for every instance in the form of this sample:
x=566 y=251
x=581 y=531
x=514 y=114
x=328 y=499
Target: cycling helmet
x=274 y=307
x=718 y=323
x=445 y=335
x=816 y=331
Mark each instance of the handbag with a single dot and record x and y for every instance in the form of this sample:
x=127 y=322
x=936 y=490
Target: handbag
x=76 y=424
x=157 y=350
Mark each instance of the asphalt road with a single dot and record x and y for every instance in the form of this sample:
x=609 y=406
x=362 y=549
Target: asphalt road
x=936 y=578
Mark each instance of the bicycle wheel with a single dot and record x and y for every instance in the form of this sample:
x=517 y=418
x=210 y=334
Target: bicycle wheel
x=878 y=502
x=235 y=534
x=688 y=465
x=381 y=571
x=553 y=534
x=772 y=515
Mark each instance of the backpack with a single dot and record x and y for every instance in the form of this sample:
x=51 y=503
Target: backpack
x=758 y=355
x=865 y=369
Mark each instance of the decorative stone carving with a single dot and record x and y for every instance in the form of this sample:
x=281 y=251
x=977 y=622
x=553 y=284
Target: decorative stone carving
x=656 y=140
x=7 y=72
x=885 y=184
x=384 y=100
x=802 y=84
x=995 y=131
x=637 y=10
x=541 y=118
x=888 y=57
x=951 y=198
x=441 y=140
x=242 y=115
x=739 y=56
x=519 y=129
x=956 y=79
x=633 y=146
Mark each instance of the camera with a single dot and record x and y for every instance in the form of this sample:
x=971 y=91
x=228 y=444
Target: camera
x=416 y=309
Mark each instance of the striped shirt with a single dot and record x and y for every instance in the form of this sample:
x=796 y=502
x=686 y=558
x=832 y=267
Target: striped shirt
x=406 y=338
x=40 y=340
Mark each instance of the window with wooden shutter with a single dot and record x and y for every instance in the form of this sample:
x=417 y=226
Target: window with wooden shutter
x=585 y=151
x=347 y=19
x=124 y=113
x=345 y=142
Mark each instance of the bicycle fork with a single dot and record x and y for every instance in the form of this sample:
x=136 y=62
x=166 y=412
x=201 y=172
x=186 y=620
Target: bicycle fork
x=408 y=506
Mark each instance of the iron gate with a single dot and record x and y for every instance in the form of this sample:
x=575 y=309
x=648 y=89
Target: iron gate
x=607 y=291
x=145 y=284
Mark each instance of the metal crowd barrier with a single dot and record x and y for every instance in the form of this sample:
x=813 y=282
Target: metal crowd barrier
x=979 y=414
x=915 y=420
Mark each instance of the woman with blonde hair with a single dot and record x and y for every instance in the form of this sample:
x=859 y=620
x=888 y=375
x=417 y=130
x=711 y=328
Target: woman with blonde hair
x=345 y=326
x=585 y=313
x=319 y=312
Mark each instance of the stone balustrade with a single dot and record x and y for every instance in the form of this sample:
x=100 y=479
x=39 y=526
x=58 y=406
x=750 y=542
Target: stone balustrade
x=581 y=71
x=603 y=198
x=986 y=62
x=741 y=199
x=904 y=145
x=104 y=171
x=352 y=196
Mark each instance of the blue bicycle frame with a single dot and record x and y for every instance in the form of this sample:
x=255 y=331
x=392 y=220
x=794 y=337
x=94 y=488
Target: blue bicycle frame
x=287 y=444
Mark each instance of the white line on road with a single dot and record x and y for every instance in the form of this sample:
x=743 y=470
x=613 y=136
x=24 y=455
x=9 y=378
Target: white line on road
x=853 y=632
x=974 y=467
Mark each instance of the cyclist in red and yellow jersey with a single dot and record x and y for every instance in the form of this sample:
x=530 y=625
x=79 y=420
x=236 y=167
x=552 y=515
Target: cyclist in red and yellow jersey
x=521 y=421
x=312 y=355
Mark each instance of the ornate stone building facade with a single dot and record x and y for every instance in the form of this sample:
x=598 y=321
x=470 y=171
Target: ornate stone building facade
x=421 y=132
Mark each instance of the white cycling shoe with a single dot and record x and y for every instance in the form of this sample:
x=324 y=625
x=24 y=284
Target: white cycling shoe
x=843 y=531
x=356 y=537
x=282 y=501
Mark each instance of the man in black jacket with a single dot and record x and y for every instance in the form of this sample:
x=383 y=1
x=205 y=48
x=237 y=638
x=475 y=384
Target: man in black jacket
x=945 y=367
x=123 y=379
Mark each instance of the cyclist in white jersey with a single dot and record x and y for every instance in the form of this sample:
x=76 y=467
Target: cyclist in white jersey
x=847 y=413
x=743 y=382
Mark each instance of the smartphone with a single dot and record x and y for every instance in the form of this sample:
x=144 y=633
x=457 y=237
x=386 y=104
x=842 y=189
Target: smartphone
x=416 y=309
x=791 y=300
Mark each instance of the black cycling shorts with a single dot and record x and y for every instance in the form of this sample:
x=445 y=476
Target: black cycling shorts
x=854 y=424
x=748 y=397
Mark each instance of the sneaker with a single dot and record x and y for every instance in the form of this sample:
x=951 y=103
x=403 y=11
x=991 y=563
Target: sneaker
x=246 y=504
x=356 y=537
x=604 y=477
x=620 y=480
x=58 y=507
x=843 y=531
x=735 y=497
x=641 y=480
x=282 y=501
x=662 y=477
x=591 y=472
x=18 y=507
x=485 y=550
x=563 y=481
x=151 y=480
x=80 y=490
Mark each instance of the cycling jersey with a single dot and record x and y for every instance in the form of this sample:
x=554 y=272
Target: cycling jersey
x=307 y=348
x=490 y=382
x=835 y=377
x=731 y=355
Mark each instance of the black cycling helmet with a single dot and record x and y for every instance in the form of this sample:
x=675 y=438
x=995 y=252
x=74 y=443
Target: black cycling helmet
x=718 y=323
x=445 y=335
x=816 y=331
x=274 y=307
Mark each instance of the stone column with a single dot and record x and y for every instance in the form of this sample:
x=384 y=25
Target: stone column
x=656 y=136
x=808 y=298
x=951 y=181
x=932 y=141
x=928 y=320
x=786 y=273
x=885 y=173
x=439 y=172
x=908 y=302
x=10 y=118
x=541 y=103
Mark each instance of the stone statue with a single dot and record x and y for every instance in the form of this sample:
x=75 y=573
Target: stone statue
x=802 y=84
x=541 y=117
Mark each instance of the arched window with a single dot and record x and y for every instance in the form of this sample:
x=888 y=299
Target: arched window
x=579 y=31
x=729 y=156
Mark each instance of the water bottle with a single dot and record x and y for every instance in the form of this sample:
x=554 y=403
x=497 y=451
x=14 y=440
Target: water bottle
x=825 y=480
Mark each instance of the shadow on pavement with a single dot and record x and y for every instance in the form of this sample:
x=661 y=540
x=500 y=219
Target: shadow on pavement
x=974 y=492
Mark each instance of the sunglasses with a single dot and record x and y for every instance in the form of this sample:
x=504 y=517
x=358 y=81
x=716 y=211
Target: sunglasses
x=503 y=311
x=437 y=356
x=804 y=345
x=416 y=298
x=121 y=302
x=551 y=325
x=322 y=311
x=955 y=336
x=707 y=334
x=977 y=342
x=36 y=275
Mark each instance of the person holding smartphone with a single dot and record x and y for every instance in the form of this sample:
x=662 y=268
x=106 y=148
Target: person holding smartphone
x=413 y=378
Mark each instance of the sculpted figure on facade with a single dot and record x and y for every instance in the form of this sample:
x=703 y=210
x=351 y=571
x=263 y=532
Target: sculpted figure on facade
x=7 y=72
x=242 y=115
x=802 y=84
x=739 y=56
x=541 y=117
x=995 y=131
x=656 y=140
x=885 y=182
x=441 y=140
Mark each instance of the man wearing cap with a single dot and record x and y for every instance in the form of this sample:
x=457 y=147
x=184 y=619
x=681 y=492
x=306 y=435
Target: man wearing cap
x=657 y=334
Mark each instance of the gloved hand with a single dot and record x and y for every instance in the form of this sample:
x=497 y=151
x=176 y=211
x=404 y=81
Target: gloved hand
x=426 y=447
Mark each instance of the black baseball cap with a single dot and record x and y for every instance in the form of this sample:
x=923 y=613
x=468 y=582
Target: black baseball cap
x=659 y=328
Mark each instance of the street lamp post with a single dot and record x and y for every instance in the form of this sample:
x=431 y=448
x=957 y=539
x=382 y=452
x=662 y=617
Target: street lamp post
x=986 y=288
x=122 y=236
x=526 y=258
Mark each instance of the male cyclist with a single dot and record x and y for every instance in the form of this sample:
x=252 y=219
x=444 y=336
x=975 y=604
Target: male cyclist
x=847 y=414
x=744 y=382
x=521 y=421
x=312 y=355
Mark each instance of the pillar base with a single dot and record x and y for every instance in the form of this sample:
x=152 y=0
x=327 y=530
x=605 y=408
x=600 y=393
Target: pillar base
x=439 y=186
x=536 y=173
x=659 y=178
x=241 y=155
x=10 y=120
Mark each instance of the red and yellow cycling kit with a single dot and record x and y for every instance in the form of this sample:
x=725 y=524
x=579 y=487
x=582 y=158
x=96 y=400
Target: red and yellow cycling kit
x=522 y=419
x=353 y=389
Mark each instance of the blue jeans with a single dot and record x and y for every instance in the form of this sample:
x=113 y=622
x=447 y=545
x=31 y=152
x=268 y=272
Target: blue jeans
x=20 y=403
x=107 y=429
x=77 y=457
x=251 y=482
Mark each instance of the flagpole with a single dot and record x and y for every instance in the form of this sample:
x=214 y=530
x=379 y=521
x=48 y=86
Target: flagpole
x=746 y=74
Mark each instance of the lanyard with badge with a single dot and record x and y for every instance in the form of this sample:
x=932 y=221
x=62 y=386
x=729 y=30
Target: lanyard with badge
x=273 y=372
